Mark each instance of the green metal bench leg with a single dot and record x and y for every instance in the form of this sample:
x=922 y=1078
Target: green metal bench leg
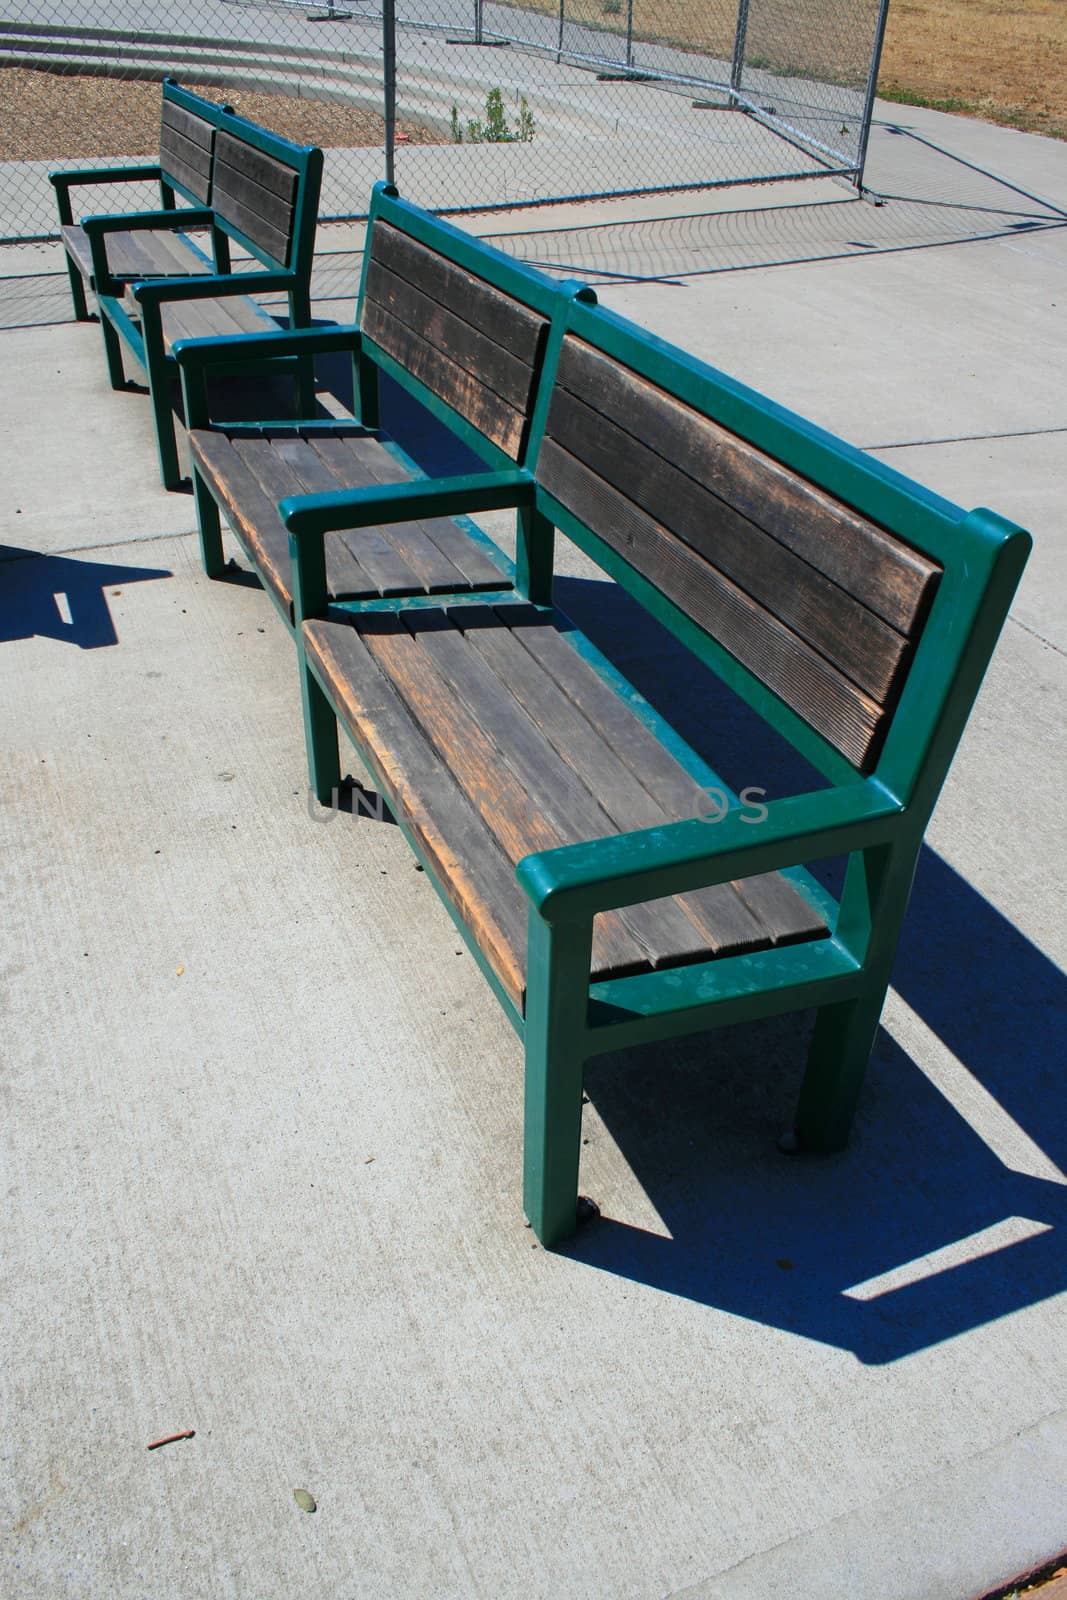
x=556 y=990
x=158 y=371
x=837 y=1061
x=112 y=352
x=77 y=293
x=320 y=734
x=210 y=525
x=877 y=887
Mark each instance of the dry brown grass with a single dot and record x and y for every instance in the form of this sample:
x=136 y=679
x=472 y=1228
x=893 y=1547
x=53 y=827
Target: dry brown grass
x=987 y=58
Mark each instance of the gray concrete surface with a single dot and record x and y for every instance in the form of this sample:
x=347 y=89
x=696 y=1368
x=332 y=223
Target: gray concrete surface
x=263 y=1119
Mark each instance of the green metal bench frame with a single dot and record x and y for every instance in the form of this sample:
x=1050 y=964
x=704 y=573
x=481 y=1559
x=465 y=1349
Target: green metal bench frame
x=877 y=819
x=291 y=277
x=198 y=359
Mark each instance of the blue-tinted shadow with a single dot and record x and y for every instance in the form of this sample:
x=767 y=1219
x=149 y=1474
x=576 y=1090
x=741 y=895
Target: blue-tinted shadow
x=780 y=1240
x=60 y=597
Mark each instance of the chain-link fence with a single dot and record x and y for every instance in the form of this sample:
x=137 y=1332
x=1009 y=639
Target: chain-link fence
x=486 y=103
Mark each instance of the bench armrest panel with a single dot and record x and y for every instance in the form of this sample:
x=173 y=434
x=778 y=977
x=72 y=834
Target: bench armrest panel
x=192 y=353
x=310 y=516
x=628 y=869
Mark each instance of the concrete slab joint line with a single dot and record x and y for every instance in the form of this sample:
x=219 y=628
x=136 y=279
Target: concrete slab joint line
x=897 y=1544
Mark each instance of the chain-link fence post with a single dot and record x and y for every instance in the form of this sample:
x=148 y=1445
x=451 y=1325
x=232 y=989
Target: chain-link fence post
x=389 y=86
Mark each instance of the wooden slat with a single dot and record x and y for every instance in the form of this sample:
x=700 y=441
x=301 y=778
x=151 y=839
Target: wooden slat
x=827 y=700
x=135 y=254
x=783 y=914
x=883 y=573
x=510 y=324
x=277 y=479
x=370 y=549
x=491 y=415
x=251 y=513
x=467 y=346
x=555 y=787
x=446 y=557
x=256 y=194
x=857 y=641
x=499 y=796
x=185 y=144
x=719 y=917
x=421 y=564
x=199 y=319
x=476 y=876
x=76 y=243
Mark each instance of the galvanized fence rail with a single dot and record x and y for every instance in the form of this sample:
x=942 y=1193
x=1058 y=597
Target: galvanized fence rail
x=486 y=103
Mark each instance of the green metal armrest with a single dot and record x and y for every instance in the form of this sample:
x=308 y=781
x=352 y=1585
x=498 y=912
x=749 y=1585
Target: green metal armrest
x=192 y=353
x=75 y=175
x=97 y=228
x=212 y=286
x=144 y=221
x=576 y=881
x=310 y=517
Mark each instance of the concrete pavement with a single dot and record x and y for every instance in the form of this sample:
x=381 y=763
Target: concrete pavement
x=264 y=1118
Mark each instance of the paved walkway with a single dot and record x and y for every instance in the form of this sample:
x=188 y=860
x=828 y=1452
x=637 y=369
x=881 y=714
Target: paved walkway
x=263 y=1163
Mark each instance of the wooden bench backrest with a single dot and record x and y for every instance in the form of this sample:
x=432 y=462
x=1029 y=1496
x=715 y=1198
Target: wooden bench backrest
x=462 y=326
x=816 y=601
x=265 y=190
x=187 y=140
x=185 y=145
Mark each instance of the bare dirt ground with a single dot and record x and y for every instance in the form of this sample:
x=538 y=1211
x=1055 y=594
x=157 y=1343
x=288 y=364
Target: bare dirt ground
x=44 y=115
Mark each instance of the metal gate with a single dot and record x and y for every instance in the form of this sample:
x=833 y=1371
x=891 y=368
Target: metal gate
x=484 y=103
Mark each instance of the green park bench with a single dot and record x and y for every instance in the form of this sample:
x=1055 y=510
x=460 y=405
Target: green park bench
x=155 y=286
x=611 y=886
x=461 y=327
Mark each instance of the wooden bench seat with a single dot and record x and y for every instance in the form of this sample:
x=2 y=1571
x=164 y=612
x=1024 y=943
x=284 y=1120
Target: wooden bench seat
x=206 y=319
x=249 y=470
x=494 y=739
x=137 y=255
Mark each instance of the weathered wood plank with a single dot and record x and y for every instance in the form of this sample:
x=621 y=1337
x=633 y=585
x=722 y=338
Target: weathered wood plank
x=491 y=784
x=420 y=564
x=827 y=700
x=255 y=193
x=374 y=554
x=858 y=642
x=267 y=172
x=554 y=788
x=200 y=319
x=630 y=795
x=881 y=571
x=783 y=912
x=277 y=478
x=491 y=415
x=185 y=145
x=467 y=346
x=446 y=558
x=720 y=919
x=251 y=512
x=420 y=788
x=506 y=321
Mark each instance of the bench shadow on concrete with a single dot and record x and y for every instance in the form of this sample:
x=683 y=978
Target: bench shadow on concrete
x=779 y=1240
x=60 y=597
